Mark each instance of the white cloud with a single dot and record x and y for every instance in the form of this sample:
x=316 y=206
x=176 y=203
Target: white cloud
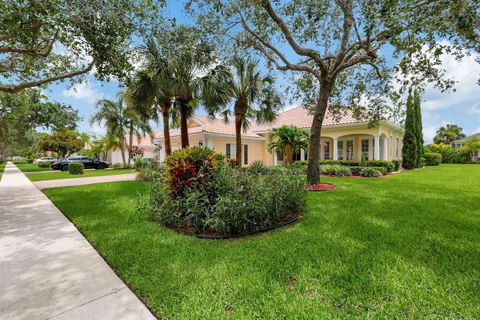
x=98 y=130
x=84 y=91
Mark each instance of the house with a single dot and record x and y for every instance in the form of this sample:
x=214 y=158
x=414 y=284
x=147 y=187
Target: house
x=459 y=144
x=146 y=143
x=343 y=137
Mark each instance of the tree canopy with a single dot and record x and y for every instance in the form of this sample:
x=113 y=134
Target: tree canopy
x=45 y=41
x=340 y=49
x=449 y=133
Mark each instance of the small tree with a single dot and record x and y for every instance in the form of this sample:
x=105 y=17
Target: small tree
x=62 y=142
x=448 y=134
x=471 y=146
x=289 y=140
x=410 y=138
x=418 y=129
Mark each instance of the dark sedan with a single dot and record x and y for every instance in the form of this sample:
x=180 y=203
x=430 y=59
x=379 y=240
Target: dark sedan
x=87 y=163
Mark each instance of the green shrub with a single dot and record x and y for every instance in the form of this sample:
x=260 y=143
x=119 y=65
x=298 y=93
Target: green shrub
x=397 y=164
x=449 y=154
x=148 y=174
x=75 y=167
x=138 y=163
x=30 y=161
x=339 y=171
x=299 y=167
x=370 y=172
x=357 y=170
x=119 y=165
x=229 y=201
x=44 y=164
x=257 y=167
x=433 y=158
x=389 y=165
x=19 y=161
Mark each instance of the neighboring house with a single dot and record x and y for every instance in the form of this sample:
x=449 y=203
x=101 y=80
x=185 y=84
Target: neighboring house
x=458 y=143
x=115 y=156
x=343 y=137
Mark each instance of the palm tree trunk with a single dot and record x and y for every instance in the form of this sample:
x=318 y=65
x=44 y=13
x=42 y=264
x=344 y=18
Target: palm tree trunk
x=313 y=170
x=130 y=141
x=122 y=149
x=238 y=139
x=183 y=124
x=166 y=128
x=288 y=154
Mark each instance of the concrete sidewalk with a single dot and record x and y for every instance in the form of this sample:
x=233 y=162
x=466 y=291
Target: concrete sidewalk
x=48 y=270
x=43 y=184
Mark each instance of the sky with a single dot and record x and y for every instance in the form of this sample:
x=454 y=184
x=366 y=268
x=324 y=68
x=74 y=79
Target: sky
x=461 y=107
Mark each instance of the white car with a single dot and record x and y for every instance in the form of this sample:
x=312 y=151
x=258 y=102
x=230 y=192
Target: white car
x=44 y=159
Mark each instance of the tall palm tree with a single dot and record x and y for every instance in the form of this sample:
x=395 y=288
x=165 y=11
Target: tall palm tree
x=289 y=140
x=254 y=99
x=194 y=74
x=151 y=90
x=120 y=121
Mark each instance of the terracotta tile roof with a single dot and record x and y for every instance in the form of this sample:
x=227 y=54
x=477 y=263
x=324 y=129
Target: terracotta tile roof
x=216 y=126
x=144 y=141
x=298 y=117
x=302 y=118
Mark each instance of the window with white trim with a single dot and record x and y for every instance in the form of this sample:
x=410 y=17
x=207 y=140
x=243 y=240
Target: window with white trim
x=340 y=150
x=365 y=147
x=326 y=150
x=231 y=152
x=349 y=149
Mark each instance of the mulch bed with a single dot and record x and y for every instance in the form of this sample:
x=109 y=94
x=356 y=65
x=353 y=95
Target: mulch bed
x=218 y=236
x=321 y=187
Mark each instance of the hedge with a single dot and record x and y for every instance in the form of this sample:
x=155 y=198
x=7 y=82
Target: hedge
x=44 y=164
x=433 y=158
x=389 y=165
x=75 y=167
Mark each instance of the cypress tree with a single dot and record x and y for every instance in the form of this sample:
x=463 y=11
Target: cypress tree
x=418 y=129
x=410 y=141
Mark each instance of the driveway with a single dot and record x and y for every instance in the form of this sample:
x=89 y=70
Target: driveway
x=81 y=181
x=48 y=270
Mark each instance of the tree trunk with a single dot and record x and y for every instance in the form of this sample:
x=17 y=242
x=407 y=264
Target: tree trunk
x=313 y=170
x=238 y=138
x=122 y=149
x=183 y=124
x=130 y=141
x=166 y=129
x=288 y=154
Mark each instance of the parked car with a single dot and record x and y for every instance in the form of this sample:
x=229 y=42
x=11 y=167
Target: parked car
x=44 y=159
x=87 y=162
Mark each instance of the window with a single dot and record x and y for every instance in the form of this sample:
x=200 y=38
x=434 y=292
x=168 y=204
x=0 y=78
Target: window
x=279 y=155
x=297 y=156
x=340 y=150
x=365 y=147
x=245 y=154
x=349 y=149
x=326 y=150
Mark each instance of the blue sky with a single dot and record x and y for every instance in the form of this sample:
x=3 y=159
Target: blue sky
x=461 y=107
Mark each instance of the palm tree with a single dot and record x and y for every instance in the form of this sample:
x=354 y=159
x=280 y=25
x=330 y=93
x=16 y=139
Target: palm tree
x=194 y=75
x=120 y=121
x=151 y=90
x=254 y=99
x=289 y=140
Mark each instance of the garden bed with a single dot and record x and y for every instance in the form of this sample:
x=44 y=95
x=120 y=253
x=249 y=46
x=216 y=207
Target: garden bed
x=218 y=236
x=321 y=187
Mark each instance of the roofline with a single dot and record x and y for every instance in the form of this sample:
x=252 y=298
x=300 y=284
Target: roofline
x=215 y=134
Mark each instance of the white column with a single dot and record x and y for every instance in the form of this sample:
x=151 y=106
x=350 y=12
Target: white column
x=302 y=154
x=385 y=148
x=275 y=157
x=376 y=155
x=335 y=149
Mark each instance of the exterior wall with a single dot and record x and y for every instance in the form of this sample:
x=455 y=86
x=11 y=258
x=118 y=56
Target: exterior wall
x=115 y=156
x=388 y=136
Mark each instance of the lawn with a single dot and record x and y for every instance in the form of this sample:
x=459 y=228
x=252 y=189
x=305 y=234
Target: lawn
x=37 y=176
x=2 y=168
x=31 y=167
x=405 y=246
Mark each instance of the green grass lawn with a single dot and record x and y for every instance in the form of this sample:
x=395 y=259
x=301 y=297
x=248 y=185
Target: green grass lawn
x=406 y=246
x=2 y=168
x=31 y=167
x=37 y=176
